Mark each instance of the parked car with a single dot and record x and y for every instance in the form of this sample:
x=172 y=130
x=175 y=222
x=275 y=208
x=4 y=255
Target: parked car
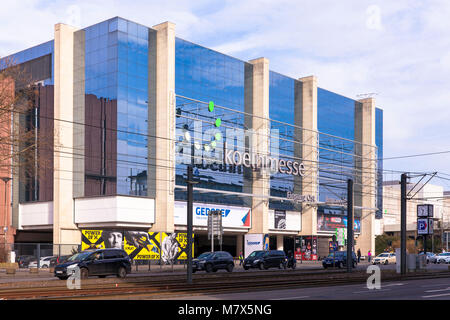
x=24 y=260
x=100 y=262
x=58 y=260
x=265 y=259
x=338 y=259
x=431 y=257
x=213 y=261
x=443 y=257
x=385 y=258
x=44 y=262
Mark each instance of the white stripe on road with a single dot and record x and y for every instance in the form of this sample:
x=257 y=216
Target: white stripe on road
x=393 y=284
x=437 y=290
x=437 y=295
x=372 y=290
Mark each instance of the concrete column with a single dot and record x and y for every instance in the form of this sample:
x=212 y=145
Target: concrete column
x=79 y=101
x=306 y=118
x=280 y=242
x=161 y=121
x=257 y=104
x=365 y=184
x=64 y=229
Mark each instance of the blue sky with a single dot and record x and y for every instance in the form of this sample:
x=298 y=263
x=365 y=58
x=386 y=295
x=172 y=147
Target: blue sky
x=397 y=49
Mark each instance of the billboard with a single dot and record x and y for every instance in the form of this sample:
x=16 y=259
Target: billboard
x=232 y=217
x=280 y=219
x=329 y=220
x=139 y=245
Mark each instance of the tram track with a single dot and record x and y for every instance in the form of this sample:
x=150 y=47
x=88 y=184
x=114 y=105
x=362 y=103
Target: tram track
x=168 y=286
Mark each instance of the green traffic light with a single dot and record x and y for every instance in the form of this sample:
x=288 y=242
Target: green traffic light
x=211 y=106
x=218 y=122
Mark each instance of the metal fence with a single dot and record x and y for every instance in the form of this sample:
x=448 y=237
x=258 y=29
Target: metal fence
x=36 y=255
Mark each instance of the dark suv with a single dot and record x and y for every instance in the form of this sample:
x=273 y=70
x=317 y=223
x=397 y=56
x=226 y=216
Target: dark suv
x=265 y=259
x=338 y=260
x=213 y=261
x=100 y=262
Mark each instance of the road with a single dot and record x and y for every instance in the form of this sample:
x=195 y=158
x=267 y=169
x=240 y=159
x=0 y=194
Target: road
x=431 y=289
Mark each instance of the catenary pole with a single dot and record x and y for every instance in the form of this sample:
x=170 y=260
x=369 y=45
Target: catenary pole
x=349 y=225
x=403 y=205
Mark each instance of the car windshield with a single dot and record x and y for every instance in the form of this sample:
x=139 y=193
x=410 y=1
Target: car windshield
x=384 y=255
x=79 y=256
x=204 y=255
x=256 y=254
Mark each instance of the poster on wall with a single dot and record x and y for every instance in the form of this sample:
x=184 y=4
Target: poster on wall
x=253 y=242
x=174 y=246
x=141 y=245
x=101 y=239
x=307 y=249
x=280 y=219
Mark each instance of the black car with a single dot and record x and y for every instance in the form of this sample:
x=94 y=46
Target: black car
x=265 y=259
x=213 y=261
x=338 y=259
x=100 y=262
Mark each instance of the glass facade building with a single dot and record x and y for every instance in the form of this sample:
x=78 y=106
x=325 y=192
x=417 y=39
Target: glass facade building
x=115 y=82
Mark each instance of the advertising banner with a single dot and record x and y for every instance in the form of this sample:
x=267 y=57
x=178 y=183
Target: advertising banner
x=253 y=242
x=139 y=245
x=232 y=217
x=308 y=248
x=101 y=239
x=280 y=219
x=328 y=222
x=174 y=246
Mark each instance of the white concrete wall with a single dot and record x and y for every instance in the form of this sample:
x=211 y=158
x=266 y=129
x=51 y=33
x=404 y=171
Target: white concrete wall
x=115 y=211
x=36 y=215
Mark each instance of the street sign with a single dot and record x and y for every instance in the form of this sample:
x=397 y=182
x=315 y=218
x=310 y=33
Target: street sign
x=424 y=226
x=425 y=210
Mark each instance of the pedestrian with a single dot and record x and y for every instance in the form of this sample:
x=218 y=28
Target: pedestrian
x=369 y=255
x=241 y=258
x=359 y=255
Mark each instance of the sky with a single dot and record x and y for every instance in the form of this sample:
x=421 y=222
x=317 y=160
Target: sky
x=398 y=51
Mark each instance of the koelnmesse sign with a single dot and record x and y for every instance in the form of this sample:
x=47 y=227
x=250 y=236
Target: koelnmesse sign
x=257 y=162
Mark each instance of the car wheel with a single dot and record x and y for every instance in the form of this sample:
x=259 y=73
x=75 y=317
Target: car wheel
x=294 y=265
x=340 y=264
x=215 y=270
x=44 y=266
x=84 y=273
x=208 y=268
x=386 y=262
x=102 y=276
x=261 y=266
x=63 y=278
x=230 y=268
x=194 y=270
x=122 y=273
x=246 y=268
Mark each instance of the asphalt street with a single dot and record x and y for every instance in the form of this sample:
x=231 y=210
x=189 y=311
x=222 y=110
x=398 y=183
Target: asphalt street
x=430 y=289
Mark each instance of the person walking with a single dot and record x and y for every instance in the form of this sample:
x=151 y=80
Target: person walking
x=369 y=255
x=241 y=258
x=359 y=255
